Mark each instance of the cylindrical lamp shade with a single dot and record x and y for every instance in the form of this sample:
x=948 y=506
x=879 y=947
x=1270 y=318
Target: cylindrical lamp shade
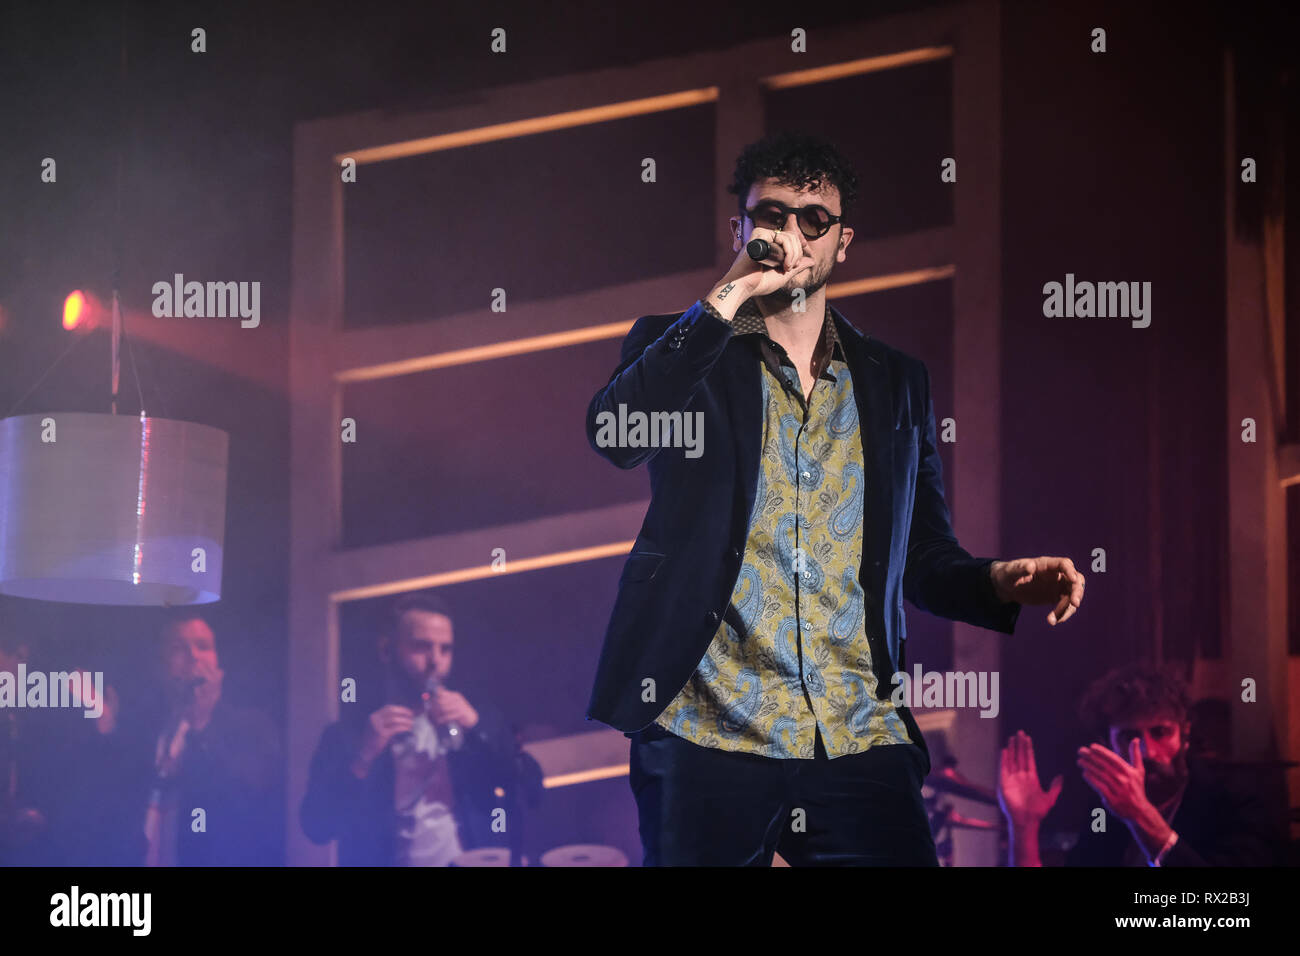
x=111 y=509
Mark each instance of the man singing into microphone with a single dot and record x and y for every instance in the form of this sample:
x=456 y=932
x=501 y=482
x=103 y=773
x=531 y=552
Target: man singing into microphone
x=414 y=778
x=205 y=753
x=759 y=618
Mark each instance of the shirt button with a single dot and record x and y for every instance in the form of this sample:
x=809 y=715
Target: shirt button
x=807 y=626
x=805 y=474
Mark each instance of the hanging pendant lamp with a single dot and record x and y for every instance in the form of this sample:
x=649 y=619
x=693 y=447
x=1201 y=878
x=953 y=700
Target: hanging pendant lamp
x=111 y=509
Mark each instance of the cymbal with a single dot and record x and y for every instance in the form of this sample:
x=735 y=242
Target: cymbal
x=584 y=854
x=949 y=781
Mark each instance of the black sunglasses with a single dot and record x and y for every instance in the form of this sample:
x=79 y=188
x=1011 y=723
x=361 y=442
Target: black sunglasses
x=814 y=221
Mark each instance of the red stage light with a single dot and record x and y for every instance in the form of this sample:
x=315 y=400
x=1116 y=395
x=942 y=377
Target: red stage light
x=74 y=309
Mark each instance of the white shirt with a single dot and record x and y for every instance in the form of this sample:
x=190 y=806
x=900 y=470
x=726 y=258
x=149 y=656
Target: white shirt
x=426 y=829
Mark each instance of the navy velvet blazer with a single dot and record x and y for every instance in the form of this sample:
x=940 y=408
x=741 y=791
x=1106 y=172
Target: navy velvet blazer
x=678 y=580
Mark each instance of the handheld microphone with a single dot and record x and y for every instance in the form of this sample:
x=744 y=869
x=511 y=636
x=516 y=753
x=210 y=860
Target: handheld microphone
x=760 y=249
x=451 y=730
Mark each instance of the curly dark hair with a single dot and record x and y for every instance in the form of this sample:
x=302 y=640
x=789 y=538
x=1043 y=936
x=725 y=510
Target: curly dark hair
x=1132 y=691
x=795 y=159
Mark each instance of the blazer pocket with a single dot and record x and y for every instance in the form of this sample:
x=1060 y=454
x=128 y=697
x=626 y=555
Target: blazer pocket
x=641 y=566
x=907 y=435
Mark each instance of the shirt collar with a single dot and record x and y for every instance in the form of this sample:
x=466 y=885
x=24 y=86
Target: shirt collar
x=750 y=321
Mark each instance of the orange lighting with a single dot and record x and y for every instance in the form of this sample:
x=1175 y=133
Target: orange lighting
x=837 y=71
x=533 y=125
x=74 y=310
x=554 y=560
x=483 y=353
x=596 y=333
x=585 y=776
x=896 y=280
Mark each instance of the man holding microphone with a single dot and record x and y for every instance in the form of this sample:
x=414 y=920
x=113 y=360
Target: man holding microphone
x=759 y=618
x=412 y=779
x=212 y=799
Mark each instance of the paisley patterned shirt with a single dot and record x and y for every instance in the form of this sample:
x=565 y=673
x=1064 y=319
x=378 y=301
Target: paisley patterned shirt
x=791 y=656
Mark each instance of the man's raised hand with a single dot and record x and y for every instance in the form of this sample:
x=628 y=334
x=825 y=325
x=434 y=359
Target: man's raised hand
x=1022 y=798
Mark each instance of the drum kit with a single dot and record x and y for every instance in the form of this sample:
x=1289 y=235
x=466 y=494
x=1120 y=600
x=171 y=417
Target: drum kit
x=944 y=819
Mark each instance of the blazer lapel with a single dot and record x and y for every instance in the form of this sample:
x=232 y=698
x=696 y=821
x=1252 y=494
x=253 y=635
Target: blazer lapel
x=743 y=390
x=873 y=389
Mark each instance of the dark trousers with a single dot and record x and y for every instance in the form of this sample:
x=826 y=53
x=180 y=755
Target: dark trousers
x=699 y=806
